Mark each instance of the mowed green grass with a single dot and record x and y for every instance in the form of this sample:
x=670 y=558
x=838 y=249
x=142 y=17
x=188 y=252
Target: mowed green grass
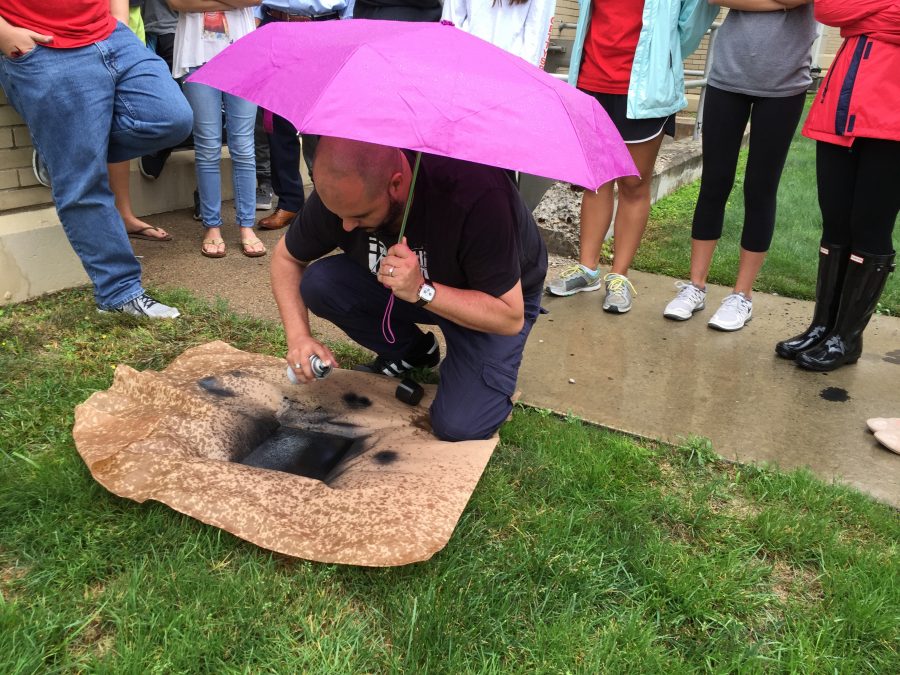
x=581 y=551
x=793 y=259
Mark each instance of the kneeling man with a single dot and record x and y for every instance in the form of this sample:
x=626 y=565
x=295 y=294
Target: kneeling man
x=471 y=262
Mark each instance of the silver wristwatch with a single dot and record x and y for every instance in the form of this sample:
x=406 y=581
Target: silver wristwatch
x=426 y=294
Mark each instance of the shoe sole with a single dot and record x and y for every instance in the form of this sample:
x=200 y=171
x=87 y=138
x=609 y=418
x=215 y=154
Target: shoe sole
x=37 y=174
x=145 y=316
x=725 y=329
x=565 y=294
x=264 y=207
x=819 y=369
x=613 y=309
x=677 y=317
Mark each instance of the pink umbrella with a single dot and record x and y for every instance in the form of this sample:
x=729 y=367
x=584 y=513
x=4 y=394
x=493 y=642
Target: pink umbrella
x=427 y=87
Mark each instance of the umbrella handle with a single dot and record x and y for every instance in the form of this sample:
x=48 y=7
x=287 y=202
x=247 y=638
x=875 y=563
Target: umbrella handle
x=409 y=197
x=386 y=330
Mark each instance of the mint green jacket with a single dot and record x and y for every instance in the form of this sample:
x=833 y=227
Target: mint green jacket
x=672 y=30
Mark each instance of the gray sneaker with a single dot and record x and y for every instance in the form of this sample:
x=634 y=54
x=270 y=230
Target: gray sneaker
x=690 y=299
x=40 y=169
x=573 y=280
x=145 y=306
x=619 y=293
x=264 y=194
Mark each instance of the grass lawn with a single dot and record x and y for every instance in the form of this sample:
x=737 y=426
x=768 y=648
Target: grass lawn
x=792 y=262
x=581 y=550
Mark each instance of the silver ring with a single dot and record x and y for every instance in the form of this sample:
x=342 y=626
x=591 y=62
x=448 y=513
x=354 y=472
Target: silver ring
x=298 y=366
x=391 y=272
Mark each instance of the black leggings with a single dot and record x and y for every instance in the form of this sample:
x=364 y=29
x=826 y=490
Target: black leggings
x=859 y=193
x=772 y=125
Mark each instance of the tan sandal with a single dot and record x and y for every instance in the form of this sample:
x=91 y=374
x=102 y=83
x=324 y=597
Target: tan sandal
x=249 y=252
x=212 y=242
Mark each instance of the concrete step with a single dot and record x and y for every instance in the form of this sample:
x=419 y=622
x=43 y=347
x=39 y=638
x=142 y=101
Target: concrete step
x=35 y=255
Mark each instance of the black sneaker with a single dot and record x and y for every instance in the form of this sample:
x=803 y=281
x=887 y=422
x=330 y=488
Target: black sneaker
x=196 y=215
x=152 y=166
x=425 y=354
x=145 y=306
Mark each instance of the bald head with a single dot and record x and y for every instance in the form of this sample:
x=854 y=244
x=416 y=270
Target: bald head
x=338 y=159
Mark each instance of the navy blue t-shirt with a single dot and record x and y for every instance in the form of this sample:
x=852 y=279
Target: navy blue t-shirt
x=468 y=225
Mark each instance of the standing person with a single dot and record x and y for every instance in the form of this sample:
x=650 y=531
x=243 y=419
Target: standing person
x=855 y=121
x=284 y=145
x=120 y=172
x=398 y=10
x=472 y=262
x=200 y=35
x=760 y=72
x=521 y=27
x=91 y=93
x=629 y=56
x=160 y=22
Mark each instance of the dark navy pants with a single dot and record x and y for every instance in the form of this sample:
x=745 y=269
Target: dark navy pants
x=479 y=371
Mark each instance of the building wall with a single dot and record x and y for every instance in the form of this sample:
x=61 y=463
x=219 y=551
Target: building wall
x=18 y=186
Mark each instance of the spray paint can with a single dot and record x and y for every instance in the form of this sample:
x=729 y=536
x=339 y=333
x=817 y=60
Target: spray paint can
x=320 y=369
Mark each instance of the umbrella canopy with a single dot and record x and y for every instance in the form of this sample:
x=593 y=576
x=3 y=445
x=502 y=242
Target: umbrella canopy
x=423 y=86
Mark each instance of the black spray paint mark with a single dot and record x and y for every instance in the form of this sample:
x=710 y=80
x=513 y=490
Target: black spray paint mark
x=355 y=401
x=385 y=457
x=213 y=386
x=893 y=357
x=302 y=452
x=834 y=394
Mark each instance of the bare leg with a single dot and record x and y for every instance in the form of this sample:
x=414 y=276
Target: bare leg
x=634 y=204
x=748 y=268
x=701 y=258
x=119 y=175
x=596 y=216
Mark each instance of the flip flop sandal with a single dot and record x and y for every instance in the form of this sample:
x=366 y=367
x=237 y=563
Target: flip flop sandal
x=212 y=242
x=139 y=234
x=252 y=254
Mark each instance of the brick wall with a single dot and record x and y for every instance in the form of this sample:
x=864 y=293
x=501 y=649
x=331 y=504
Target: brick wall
x=18 y=186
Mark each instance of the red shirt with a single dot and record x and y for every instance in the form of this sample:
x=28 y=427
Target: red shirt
x=610 y=45
x=859 y=96
x=72 y=23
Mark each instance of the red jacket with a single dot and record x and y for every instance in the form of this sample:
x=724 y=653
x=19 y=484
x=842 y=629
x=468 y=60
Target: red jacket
x=861 y=93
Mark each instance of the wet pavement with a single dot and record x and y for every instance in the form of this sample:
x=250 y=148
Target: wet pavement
x=641 y=373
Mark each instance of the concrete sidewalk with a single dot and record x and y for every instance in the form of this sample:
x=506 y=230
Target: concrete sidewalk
x=641 y=373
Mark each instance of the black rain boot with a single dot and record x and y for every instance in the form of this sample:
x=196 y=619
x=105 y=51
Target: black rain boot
x=863 y=284
x=832 y=267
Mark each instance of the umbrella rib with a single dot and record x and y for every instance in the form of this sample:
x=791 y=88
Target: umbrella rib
x=322 y=90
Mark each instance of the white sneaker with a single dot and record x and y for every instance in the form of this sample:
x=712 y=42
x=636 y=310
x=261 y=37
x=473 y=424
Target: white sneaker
x=734 y=312
x=690 y=299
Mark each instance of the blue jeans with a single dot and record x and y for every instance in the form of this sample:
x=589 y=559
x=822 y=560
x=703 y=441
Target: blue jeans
x=240 y=119
x=108 y=102
x=478 y=375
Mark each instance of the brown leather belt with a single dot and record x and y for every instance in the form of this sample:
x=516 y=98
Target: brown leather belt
x=285 y=16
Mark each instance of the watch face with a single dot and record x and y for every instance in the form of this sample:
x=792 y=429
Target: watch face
x=426 y=293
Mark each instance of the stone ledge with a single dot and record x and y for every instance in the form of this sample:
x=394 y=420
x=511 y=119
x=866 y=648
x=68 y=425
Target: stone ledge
x=35 y=256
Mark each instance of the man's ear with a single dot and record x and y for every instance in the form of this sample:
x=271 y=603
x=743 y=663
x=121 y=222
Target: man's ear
x=396 y=186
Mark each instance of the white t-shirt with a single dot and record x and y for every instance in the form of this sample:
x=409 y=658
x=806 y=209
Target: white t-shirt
x=522 y=29
x=199 y=36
